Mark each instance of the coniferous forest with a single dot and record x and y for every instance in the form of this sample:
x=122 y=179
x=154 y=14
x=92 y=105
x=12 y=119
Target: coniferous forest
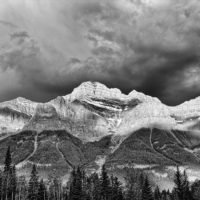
x=91 y=187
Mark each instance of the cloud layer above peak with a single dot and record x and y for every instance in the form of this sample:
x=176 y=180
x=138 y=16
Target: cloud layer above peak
x=49 y=47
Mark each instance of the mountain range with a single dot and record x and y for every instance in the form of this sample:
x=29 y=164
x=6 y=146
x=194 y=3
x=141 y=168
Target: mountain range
x=96 y=125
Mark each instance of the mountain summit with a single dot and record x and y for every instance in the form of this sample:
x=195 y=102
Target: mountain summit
x=92 y=111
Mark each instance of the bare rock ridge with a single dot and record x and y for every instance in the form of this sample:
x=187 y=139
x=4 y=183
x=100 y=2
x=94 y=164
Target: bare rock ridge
x=93 y=111
x=15 y=114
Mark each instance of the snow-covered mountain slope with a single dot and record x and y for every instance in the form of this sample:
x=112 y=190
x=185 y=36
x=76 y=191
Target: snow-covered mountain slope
x=92 y=111
x=21 y=105
x=187 y=114
x=15 y=114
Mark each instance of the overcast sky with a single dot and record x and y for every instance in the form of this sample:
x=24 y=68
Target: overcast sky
x=48 y=47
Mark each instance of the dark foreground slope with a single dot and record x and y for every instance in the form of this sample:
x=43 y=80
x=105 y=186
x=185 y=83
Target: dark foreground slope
x=58 y=151
x=155 y=148
x=53 y=151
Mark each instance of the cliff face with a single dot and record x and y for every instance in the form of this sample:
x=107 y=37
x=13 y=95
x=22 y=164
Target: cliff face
x=15 y=114
x=92 y=111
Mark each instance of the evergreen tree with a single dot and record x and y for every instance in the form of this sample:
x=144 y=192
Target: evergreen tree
x=55 y=189
x=178 y=181
x=13 y=185
x=33 y=185
x=22 y=189
x=85 y=186
x=42 y=191
x=157 y=194
x=105 y=184
x=141 y=179
x=95 y=187
x=187 y=195
x=164 y=195
x=195 y=190
x=76 y=185
x=146 y=190
x=116 y=192
x=7 y=177
x=8 y=161
x=134 y=183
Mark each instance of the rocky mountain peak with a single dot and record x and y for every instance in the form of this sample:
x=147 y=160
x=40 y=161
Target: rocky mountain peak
x=98 y=90
x=96 y=109
x=141 y=96
x=95 y=89
x=20 y=104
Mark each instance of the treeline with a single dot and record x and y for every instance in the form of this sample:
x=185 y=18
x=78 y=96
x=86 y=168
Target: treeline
x=93 y=187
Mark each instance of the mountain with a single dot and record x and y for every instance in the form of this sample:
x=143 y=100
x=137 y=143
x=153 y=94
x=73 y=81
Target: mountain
x=95 y=125
x=15 y=114
x=92 y=111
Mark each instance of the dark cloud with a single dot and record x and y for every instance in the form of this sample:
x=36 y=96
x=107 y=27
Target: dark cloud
x=152 y=46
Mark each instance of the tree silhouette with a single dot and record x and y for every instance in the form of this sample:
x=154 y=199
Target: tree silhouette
x=82 y=186
x=7 y=184
x=146 y=190
x=187 y=195
x=105 y=184
x=178 y=181
x=13 y=185
x=42 y=191
x=33 y=184
x=76 y=185
x=116 y=192
x=8 y=161
x=157 y=194
x=95 y=187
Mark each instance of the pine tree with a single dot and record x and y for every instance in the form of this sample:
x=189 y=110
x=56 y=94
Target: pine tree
x=134 y=184
x=8 y=161
x=141 y=180
x=187 y=195
x=7 y=177
x=55 y=189
x=157 y=195
x=146 y=190
x=76 y=185
x=33 y=185
x=105 y=184
x=178 y=180
x=164 y=195
x=95 y=187
x=22 y=188
x=116 y=192
x=13 y=185
x=42 y=191
x=85 y=186
x=195 y=190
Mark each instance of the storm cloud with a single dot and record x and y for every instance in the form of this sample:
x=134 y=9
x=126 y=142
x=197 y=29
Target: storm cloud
x=49 y=47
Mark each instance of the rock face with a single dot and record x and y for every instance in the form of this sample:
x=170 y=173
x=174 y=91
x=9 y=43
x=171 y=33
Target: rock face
x=45 y=118
x=15 y=114
x=93 y=111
